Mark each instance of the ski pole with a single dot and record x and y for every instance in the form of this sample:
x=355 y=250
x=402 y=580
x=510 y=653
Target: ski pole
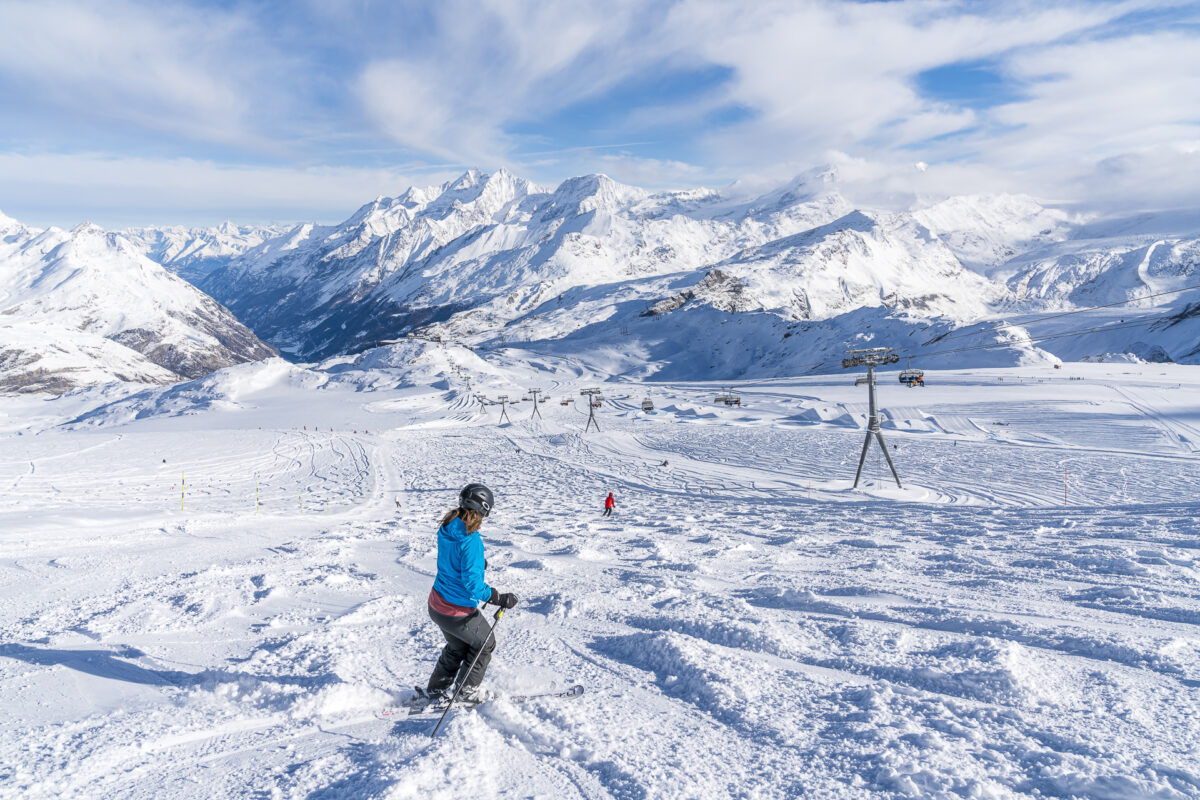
x=491 y=630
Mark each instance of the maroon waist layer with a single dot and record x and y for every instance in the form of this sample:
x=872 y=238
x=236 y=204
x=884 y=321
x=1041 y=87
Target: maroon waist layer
x=438 y=604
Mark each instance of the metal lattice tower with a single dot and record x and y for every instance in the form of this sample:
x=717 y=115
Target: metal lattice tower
x=594 y=399
x=872 y=358
x=533 y=395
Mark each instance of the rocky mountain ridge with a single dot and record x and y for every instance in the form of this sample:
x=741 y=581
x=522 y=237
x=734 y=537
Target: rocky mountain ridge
x=496 y=260
x=687 y=284
x=85 y=307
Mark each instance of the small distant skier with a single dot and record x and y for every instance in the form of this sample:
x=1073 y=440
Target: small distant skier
x=609 y=503
x=457 y=591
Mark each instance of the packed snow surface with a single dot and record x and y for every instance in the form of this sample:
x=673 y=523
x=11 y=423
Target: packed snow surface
x=211 y=589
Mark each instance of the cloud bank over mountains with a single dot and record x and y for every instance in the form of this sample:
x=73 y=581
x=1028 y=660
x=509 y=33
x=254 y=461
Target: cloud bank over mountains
x=186 y=112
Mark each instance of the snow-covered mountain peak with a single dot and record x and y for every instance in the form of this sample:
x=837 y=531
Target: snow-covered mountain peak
x=85 y=307
x=804 y=188
x=380 y=214
x=984 y=231
x=12 y=230
x=415 y=197
x=491 y=257
x=87 y=228
x=192 y=252
x=472 y=198
x=601 y=186
x=588 y=193
x=468 y=180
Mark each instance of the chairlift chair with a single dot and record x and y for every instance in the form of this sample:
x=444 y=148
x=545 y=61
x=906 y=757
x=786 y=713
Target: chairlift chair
x=911 y=377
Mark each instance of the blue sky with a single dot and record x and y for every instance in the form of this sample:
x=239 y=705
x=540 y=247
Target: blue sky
x=131 y=113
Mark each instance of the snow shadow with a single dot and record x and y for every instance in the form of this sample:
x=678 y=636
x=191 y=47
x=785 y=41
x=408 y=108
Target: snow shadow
x=111 y=664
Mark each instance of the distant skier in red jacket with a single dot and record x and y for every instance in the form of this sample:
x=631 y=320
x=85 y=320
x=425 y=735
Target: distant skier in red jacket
x=609 y=502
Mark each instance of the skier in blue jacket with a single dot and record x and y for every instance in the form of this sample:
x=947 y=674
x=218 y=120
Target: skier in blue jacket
x=458 y=590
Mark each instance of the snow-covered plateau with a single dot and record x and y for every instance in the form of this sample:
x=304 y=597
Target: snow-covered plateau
x=211 y=589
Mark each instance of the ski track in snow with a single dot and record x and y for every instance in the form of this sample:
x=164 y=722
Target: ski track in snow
x=745 y=626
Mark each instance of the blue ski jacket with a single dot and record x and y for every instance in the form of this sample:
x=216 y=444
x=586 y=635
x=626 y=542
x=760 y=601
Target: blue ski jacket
x=460 y=566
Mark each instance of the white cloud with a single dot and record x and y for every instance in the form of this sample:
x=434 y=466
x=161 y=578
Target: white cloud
x=651 y=173
x=124 y=191
x=1097 y=98
x=497 y=64
x=476 y=82
x=174 y=70
x=813 y=76
x=824 y=74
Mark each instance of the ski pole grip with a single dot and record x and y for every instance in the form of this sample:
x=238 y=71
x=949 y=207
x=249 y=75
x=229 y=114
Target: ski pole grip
x=499 y=613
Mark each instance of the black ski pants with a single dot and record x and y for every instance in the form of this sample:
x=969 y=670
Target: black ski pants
x=608 y=511
x=465 y=636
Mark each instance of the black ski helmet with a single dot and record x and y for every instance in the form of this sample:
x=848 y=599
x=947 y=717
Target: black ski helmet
x=476 y=497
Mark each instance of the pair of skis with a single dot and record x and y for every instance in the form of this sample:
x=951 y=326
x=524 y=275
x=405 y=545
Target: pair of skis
x=423 y=703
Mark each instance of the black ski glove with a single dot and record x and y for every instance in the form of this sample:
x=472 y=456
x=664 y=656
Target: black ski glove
x=506 y=600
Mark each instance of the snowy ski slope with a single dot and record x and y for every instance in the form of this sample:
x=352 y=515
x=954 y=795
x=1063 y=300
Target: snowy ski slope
x=1020 y=621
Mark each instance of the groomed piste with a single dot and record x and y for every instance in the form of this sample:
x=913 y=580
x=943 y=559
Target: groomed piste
x=211 y=589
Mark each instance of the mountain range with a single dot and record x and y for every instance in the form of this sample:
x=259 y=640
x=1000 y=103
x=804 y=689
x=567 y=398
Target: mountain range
x=684 y=284
x=86 y=307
